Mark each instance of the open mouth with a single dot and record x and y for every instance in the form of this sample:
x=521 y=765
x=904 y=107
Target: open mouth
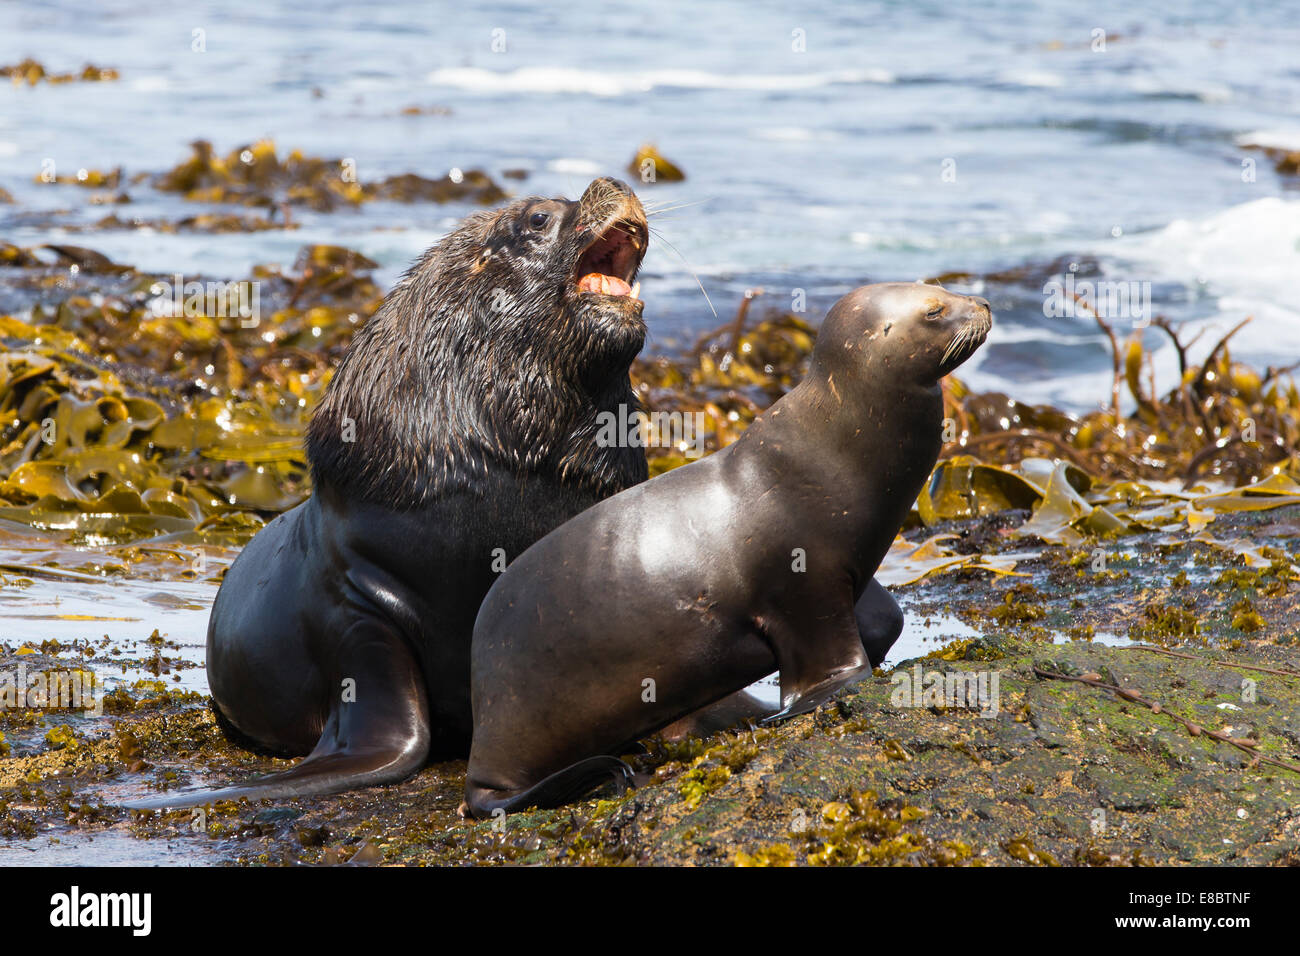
x=609 y=264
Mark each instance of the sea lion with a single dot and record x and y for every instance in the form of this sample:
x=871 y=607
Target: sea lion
x=684 y=589
x=460 y=427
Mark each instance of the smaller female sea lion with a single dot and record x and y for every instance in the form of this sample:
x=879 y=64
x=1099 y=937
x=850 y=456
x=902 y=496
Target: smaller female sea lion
x=680 y=591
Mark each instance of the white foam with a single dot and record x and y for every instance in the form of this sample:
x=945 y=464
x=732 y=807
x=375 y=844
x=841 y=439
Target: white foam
x=1039 y=79
x=888 y=240
x=150 y=84
x=1248 y=258
x=1250 y=250
x=1206 y=92
x=597 y=83
x=785 y=134
x=1244 y=259
x=575 y=167
x=1288 y=139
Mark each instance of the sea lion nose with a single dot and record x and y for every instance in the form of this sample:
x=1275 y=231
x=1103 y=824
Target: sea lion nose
x=984 y=302
x=618 y=184
x=606 y=189
x=606 y=198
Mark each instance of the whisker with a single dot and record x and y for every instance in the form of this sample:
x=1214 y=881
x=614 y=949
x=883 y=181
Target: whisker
x=958 y=343
x=653 y=210
x=658 y=235
x=676 y=199
x=667 y=209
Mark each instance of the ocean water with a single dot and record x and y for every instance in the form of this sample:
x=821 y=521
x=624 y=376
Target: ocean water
x=825 y=145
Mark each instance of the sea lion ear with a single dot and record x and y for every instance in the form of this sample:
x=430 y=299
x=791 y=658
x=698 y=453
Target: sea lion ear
x=484 y=257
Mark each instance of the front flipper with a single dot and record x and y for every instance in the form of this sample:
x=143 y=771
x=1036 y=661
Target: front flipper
x=880 y=621
x=732 y=711
x=816 y=659
x=377 y=731
x=564 y=786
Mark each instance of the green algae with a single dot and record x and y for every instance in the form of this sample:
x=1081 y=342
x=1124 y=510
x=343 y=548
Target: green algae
x=1166 y=624
x=1245 y=617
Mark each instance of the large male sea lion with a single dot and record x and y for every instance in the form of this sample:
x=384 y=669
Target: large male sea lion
x=679 y=591
x=459 y=428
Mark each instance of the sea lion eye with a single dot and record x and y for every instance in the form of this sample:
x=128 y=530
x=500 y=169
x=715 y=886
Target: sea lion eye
x=539 y=219
x=935 y=312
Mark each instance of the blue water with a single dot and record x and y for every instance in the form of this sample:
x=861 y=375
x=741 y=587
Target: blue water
x=814 y=170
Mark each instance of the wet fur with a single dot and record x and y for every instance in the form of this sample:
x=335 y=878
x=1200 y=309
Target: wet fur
x=474 y=416
x=475 y=362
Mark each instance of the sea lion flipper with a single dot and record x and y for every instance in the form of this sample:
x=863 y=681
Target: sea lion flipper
x=880 y=621
x=817 y=695
x=732 y=711
x=563 y=786
x=815 y=660
x=377 y=731
x=331 y=772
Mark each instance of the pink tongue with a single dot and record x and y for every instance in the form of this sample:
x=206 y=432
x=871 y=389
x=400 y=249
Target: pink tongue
x=606 y=285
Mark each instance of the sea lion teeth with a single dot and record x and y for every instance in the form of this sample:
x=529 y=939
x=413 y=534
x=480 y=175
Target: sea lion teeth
x=605 y=285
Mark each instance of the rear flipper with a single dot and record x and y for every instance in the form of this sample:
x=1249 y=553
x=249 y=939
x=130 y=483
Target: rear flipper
x=323 y=772
x=377 y=732
x=564 y=786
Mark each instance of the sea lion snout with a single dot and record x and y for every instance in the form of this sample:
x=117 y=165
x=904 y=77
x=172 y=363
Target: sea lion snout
x=612 y=227
x=973 y=325
x=603 y=184
x=608 y=200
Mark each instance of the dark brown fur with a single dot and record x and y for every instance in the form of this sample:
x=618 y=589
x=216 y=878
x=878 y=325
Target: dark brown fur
x=482 y=354
x=342 y=631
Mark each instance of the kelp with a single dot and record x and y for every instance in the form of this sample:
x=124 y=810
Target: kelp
x=649 y=165
x=1285 y=161
x=254 y=175
x=729 y=376
x=907 y=563
x=1223 y=420
x=124 y=417
x=89 y=178
x=32 y=72
x=206 y=222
